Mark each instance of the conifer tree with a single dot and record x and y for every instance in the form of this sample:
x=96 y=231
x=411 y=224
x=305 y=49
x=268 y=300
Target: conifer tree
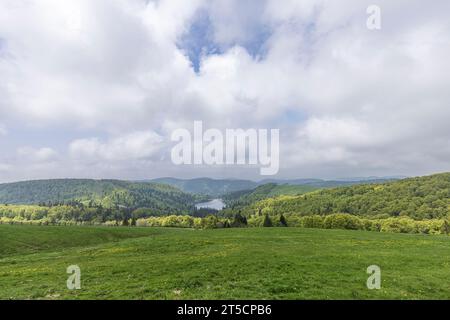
x=267 y=222
x=283 y=221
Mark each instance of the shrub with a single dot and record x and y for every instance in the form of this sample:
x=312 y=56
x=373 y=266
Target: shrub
x=398 y=225
x=294 y=220
x=312 y=222
x=342 y=221
x=445 y=229
x=255 y=221
x=210 y=222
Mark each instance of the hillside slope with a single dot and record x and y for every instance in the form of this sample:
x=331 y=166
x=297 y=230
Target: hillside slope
x=210 y=187
x=108 y=193
x=320 y=184
x=270 y=190
x=419 y=198
x=34 y=239
x=221 y=187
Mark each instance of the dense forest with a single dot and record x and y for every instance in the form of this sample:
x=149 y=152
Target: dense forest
x=210 y=187
x=244 y=198
x=321 y=184
x=158 y=198
x=219 y=188
x=418 y=198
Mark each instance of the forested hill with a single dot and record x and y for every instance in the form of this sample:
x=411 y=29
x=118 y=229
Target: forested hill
x=107 y=193
x=207 y=186
x=270 y=190
x=419 y=198
x=222 y=187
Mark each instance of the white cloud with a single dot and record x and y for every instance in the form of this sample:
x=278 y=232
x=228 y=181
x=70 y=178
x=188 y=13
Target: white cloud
x=134 y=146
x=29 y=154
x=4 y=167
x=334 y=132
x=3 y=130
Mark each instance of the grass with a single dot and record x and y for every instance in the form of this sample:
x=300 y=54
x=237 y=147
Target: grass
x=271 y=263
x=32 y=239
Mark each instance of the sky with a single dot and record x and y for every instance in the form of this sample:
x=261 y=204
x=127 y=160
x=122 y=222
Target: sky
x=94 y=89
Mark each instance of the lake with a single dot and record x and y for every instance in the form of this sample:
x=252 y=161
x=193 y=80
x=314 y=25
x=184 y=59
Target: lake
x=216 y=204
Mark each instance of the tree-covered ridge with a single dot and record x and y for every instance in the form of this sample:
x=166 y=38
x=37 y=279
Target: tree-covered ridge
x=418 y=198
x=221 y=187
x=207 y=186
x=105 y=193
x=270 y=190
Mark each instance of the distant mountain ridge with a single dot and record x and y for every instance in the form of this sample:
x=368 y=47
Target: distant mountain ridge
x=220 y=187
x=208 y=186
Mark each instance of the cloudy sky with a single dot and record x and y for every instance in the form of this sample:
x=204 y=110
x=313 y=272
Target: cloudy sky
x=94 y=89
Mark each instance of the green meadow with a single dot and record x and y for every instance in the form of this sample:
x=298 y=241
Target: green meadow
x=247 y=263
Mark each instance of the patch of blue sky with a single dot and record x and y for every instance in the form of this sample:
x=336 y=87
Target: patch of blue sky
x=256 y=46
x=291 y=116
x=199 y=42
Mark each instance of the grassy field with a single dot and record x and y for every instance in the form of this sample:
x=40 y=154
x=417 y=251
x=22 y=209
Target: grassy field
x=270 y=263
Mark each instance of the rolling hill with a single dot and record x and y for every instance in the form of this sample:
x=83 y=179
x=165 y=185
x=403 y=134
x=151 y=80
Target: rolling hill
x=107 y=193
x=207 y=186
x=221 y=187
x=270 y=190
x=319 y=183
x=418 y=198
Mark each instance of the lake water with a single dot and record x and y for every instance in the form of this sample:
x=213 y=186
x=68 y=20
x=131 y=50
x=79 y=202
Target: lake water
x=216 y=204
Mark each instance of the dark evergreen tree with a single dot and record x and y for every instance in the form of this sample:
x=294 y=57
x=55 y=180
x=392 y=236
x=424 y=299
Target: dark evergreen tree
x=267 y=222
x=446 y=227
x=239 y=221
x=283 y=221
